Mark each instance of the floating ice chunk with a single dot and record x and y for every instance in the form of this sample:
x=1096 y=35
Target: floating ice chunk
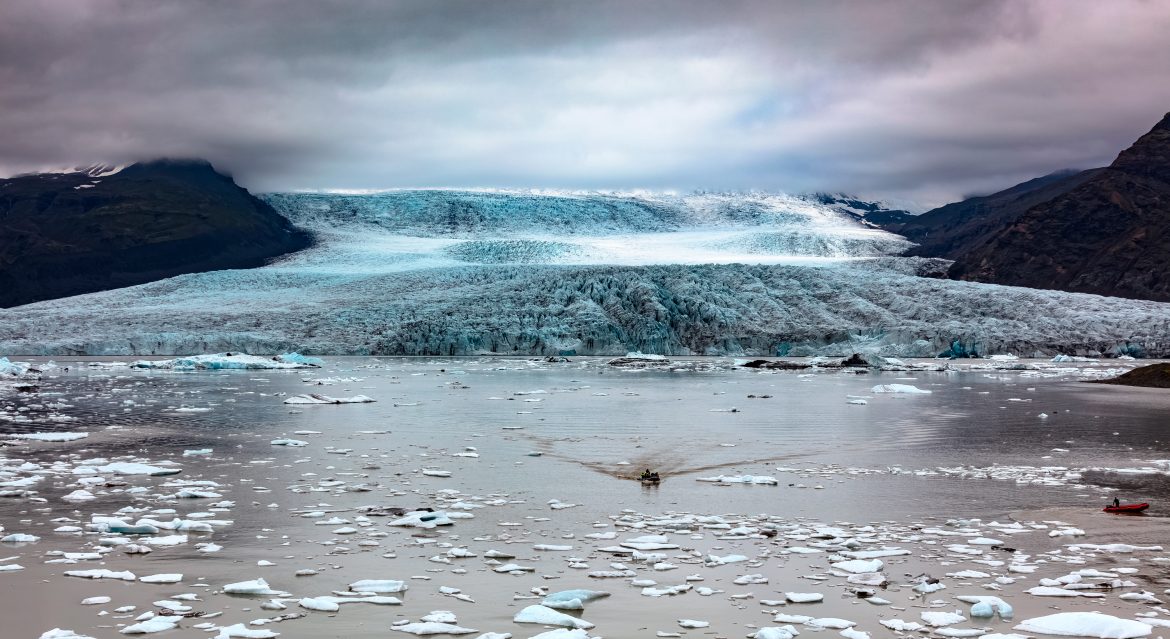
x=563 y=633
x=804 y=597
x=898 y=625
x=297 y=358
x=714 y=560
x=960 y=633
x=95 y=601
x=433 y=628
x=166 y=578
x=315 y=398
x=867 y=579
x=858 y=566
x=423 y=519
x=985 y=541
x=240 y=631
x=693 y=623
x=938 y=619
x=223 y=361
x=899 y=388
x=874 y=554
x=133 y=468
x=1052 y=591
x=295 y=443
x=101 y=573
x=1085 y=624
x=850 y=633
x=13 y=368
x=194 y=493
x=254 y=587
x=775 y=632
x=745 y=580
x=379 y=586
x=968 y=574
x=742 y=479
x=58 y=633
x=155 y=624
x=322 y=604
x=513 y=568
x=1114 y=548
x=548 y=617
x=831 y=623
x=985 y=606
x=1141 y=597
x=79 y=495
x=331 y=603
x=572 y=599
x=49 y=437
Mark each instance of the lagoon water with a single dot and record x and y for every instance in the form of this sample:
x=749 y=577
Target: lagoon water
x=576 y=432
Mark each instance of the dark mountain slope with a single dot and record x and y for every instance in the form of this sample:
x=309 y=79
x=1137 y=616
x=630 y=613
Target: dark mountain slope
x=72 y=233
x=953 y=230
x=1109 y=234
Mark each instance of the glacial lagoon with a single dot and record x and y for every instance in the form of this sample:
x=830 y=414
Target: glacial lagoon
x=986 y=478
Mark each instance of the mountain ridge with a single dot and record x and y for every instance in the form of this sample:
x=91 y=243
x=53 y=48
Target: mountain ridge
x=106 y=227
x=1107 y=233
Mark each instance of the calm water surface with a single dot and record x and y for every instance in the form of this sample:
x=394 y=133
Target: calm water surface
x=594 y=427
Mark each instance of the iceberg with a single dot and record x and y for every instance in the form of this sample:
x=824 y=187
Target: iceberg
x=49 y=437
x=229 y=361
x=908 y=389
x=572 y=599
x=546 y=616
x=379 y=586
x=742 y=479
x=1086 y=624
x=314 y=398
x=297 y=358
x=254 y=587
x=15 y=369
x=433 y=628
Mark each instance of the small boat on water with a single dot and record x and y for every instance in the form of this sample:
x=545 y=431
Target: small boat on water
x=1127 y=509
x=650 y=479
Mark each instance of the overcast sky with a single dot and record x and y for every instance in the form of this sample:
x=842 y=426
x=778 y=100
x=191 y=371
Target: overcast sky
x=914 y=100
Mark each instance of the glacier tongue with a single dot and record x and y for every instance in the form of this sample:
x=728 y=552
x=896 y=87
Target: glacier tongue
x=670 y=309
x=459 y=272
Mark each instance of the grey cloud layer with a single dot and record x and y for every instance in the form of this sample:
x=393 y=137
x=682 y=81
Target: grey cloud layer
x=920 y=99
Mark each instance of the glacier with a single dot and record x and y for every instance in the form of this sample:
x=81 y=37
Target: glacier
x=447 y=272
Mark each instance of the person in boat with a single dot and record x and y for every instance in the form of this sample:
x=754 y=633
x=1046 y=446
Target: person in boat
x=1116 y=502
x=649 y=476
x=645 y=474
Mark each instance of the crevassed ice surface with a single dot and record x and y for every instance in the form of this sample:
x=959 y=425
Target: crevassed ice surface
x=463 y=272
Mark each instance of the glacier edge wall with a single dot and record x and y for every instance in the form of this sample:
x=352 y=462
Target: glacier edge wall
x=599 y=310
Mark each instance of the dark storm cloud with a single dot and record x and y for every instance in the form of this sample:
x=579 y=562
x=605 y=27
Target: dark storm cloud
x=917 y=99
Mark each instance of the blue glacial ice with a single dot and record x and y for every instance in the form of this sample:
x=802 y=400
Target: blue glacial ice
x=471 y=272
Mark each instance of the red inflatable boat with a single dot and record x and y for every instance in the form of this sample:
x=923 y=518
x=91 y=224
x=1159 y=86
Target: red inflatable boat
x=1127 y=508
